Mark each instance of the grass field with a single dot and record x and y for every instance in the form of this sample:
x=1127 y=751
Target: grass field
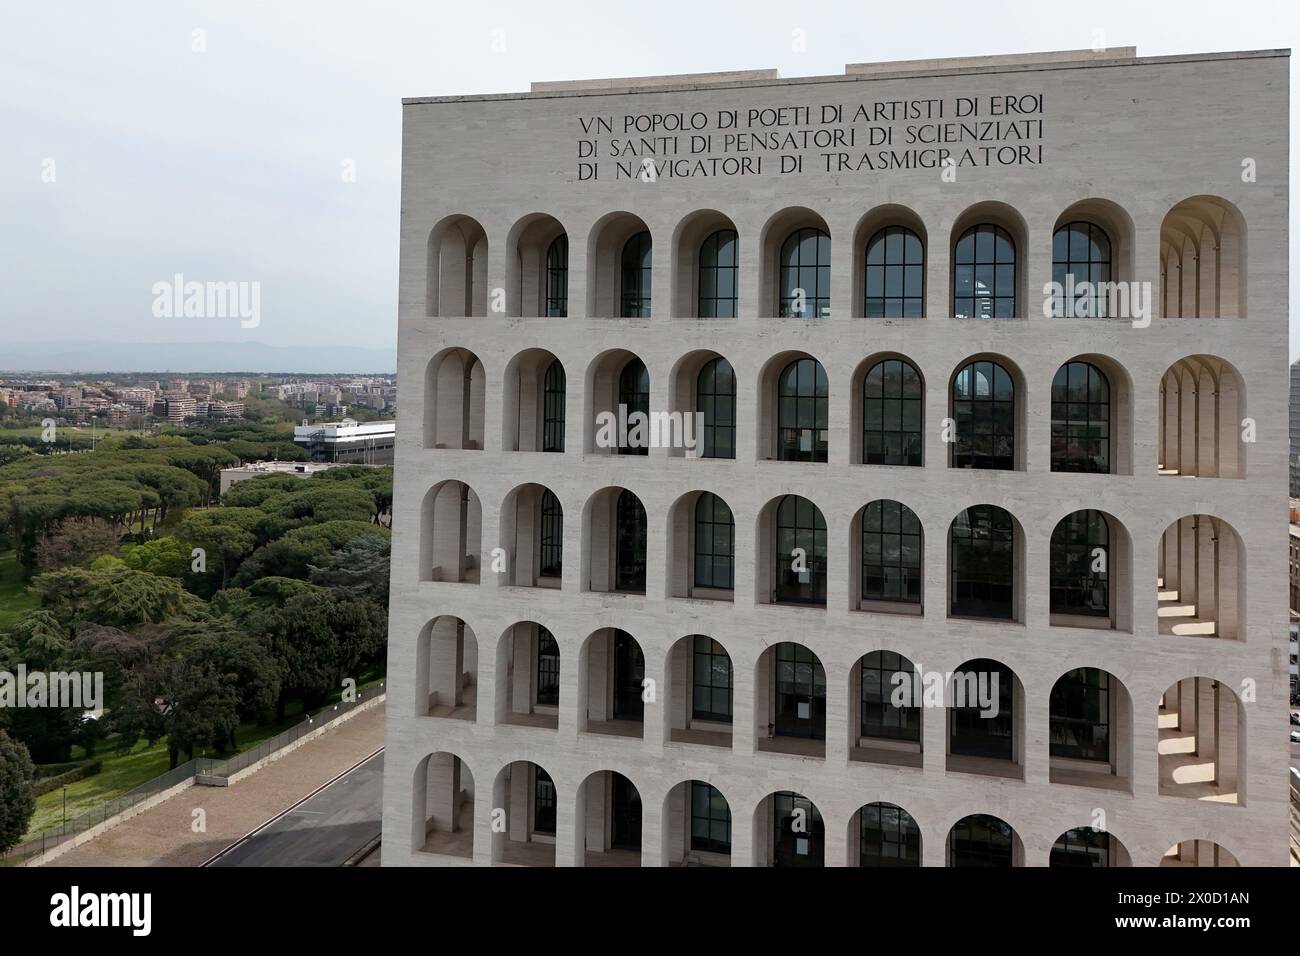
x=80 y=437
x=15 y=599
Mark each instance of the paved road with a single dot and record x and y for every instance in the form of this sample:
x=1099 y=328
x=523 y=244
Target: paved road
x=325 y=830
x=163 y=835
x=1295 y=748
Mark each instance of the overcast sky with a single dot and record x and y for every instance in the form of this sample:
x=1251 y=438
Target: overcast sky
x=226 y=162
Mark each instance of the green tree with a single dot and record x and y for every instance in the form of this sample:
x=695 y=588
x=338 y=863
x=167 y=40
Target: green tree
x=242 y=660
x=189 y=702
x=360 y=566
x=225 y=534
x=119 y=597
x=168 y=557
x=318 y=640
x=76 y=542
x=40 y=643
x=17 y=803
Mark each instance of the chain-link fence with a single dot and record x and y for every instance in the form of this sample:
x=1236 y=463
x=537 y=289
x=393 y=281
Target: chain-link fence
x=325 y=717
x=111 y=808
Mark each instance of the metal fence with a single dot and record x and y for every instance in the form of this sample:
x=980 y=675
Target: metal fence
x=111 y=808
x=204 y=766
x=325 y=717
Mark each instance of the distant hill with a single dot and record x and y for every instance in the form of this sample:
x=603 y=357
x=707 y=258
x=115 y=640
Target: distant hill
x=191 y=357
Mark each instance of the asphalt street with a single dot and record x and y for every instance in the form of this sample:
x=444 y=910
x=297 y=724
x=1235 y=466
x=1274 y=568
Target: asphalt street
x=325 y=830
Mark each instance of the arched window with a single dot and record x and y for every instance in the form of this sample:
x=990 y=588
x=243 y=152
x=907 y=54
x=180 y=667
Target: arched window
x=710 y=819
x=1080 y=715
x=1080 y=253
x=984 y=408
x=978 y=687
x=557 y=277
x=881 y=719
x=799 y=837
x=715 y=394
x=1082 y=846
x=801 y=573
x=629 y=549
x=634 y=393
x=715 y=537
x=984 y=274
x=553 y=387
x=629 y=678
x=551 y=540
x=891 y=553
x=543 y=802
x=893 y=407
x=889 y=837
x=982 y=562
x=548 y=668
x=802 y=411
x=625 y=825
x=1080 y=419
x=979 y=840
x=805 y=272
x=636 y=263
x=718 y=273
x=800 y=693
x=895 y=278
x=1080 y=558
x=711 y=682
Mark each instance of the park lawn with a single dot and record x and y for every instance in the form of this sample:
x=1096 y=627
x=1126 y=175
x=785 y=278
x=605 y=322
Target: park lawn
x=15 y=599
x=123 y=772
x=81 y=437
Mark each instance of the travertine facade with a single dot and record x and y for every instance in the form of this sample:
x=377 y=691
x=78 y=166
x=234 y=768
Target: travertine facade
x=1181 y=160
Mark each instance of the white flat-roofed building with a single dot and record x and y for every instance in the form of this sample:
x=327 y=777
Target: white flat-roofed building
x=368 y=443
x=255 y=469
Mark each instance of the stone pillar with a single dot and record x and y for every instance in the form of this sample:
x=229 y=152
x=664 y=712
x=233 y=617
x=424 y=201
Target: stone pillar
x=446 y=660
x=521 y=681
x=1187 y=591
x=1225 y=733
x=837 y=721
x=599 y=652
x=1031 y=731
x=519 y=796
x=570 y=830
x=1207 y=568
x=442 y=796
x=1185 y=701
x=1206 y=719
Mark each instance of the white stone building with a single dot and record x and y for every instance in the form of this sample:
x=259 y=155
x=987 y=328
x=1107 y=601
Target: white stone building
x=909 y=466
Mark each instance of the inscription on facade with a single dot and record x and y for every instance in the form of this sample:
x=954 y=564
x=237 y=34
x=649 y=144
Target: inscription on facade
x=865 y=137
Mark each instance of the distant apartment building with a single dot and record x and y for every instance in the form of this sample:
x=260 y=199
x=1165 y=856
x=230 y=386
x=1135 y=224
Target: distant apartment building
x=1295 y=556
x=36 y=403
x=218 y=409
x=67 y=397
x=140 y=399
x=1294 y=414
x=121 y=415
x=175 y=408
